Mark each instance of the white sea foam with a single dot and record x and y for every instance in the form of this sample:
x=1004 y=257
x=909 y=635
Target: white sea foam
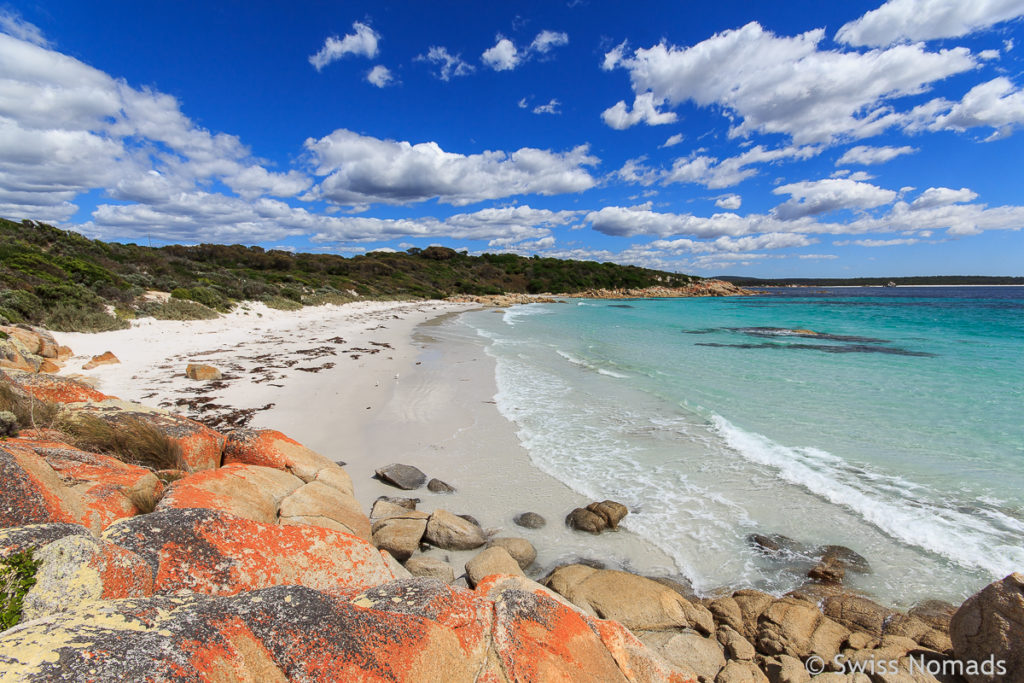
x=900 y=509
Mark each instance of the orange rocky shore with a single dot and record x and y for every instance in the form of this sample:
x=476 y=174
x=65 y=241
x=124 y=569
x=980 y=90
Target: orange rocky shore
x=256 y=563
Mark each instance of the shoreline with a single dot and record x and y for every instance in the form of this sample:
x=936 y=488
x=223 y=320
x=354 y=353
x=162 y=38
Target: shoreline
x=425 y=399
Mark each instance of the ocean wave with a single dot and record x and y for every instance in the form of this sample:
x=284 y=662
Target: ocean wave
x=901 y=509
x=590 y=366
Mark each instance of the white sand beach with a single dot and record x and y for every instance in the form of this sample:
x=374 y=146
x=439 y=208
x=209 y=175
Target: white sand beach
x=367 y=384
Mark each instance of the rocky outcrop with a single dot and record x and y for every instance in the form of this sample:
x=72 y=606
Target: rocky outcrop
x=78 y=569
x=30 y=349
x=270 y=448
x=991 y=623
x=53 y=388
x=799 y=629
x=32 y=493
x=318 y=504
x=247 y=491
x=433 y=633
x=205 y=551
x=636 y=602
x=21 y=538
x=694 y=654
x=405 y=477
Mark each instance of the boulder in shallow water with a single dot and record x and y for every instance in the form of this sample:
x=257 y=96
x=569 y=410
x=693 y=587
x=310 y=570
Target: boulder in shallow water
x=610 y=511
x=452 y=532
x=529 y=520
x=841 y=556
x=582 y=519
x=405 y=477
x=990 y=623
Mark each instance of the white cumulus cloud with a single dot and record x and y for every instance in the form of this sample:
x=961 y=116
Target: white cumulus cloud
x=361 y=169
x=729 y=202
x=776 y=84
x=810 y=198
x=380 y=76
x=943 y=196
x=916 y=20
x=362 y=42
x=996 y=103
x=505 y=56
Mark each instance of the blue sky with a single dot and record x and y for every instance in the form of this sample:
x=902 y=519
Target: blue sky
x=763 y=139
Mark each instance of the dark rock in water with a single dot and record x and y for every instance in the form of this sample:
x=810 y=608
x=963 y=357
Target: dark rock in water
x=471 y=519
x=610 y=511
x=827 y=572
x=404 y=477
x=529 y=520
x=620 y=306
x=407 y=503
x=438 y=486
x=842 y=556
x=776 y=545
x=582 y=519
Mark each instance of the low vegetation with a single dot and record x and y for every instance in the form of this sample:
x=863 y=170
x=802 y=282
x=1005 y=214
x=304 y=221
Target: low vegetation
x=17 y=576
x=131 y=440
x=65 y=281
x=28 y=412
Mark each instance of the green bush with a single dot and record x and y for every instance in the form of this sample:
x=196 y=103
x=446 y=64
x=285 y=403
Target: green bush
x=18 y=305
x=281 y=303
x=177 y=309
x=17 y=576
x=70 y=318
x=201 y=295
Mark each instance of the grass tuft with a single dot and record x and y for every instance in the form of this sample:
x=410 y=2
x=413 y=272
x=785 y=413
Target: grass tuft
x=281 y=303
x=131 y=440
x=144 y=500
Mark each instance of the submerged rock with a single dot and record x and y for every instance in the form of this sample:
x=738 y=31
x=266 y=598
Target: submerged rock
x=529 y=520
x=610 y=511
x=405 y=477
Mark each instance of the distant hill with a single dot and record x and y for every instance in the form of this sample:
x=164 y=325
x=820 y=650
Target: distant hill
x=66 y=281
x=874 y=281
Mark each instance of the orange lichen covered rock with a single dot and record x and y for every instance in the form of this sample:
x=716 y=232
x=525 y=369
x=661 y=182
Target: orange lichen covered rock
x=413 y=630
x=21 y=538
x=271 y=448
x=53 y=388
x=246 y=491
x=322 y=505
x=106 y=358
x=32 y=493
x=78 y=569
x=201 y=446
x=105 y=485
x=206 y=551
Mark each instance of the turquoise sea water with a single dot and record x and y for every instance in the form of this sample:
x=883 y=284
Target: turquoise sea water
x=890 y=421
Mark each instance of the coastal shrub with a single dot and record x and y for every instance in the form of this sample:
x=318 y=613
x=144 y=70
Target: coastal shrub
x=281 y=303
x=202 y=295
x=28 y=411
x=327 y=298
x=17 y=305
x=70 y=318
x=177 y=309
x=132 y=440
x=17 y=576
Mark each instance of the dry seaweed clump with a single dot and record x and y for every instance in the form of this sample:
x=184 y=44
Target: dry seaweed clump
x=131 y=440
x=17 y=576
